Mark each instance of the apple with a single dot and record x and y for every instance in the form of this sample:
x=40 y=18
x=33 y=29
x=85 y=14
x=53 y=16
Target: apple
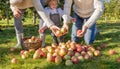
x=12 y=49
x=98 y=48
x=54 y=45
x=23 y=56
x=111 y=52
x=79 y=49
x=81 y=58
x=58 y=59
x=67 y=57
x=50 y=57
x=43 y=54
x=70 y=52
x=68 y=63
x=83 y=53
x=22 y=52
x=14 y=61
x=87 y=57
x=103 y=46
x=63 y=30
x=50 y=49
x=73 y=46
x=57 y=50
x=118 y=60
x=78 y=32
x=31 y=50
x=75 y=59
x=36 y=54
x=62 y=52
x=90 y=53
x=33 y=38
x=44 y=50
x=97 y=53
x=77 y=54
x=58 y=33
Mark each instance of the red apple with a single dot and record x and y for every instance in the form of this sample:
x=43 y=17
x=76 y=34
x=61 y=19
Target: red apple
x=78 y=32
x=111 y=52
x=87 y=57
x=103 y=46
x=75 y=59
x=62 y=52
x=79 y=49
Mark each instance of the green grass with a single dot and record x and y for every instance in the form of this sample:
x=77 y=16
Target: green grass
x=109 y=34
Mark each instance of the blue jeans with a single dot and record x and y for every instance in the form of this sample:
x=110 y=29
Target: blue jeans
x=90 y=34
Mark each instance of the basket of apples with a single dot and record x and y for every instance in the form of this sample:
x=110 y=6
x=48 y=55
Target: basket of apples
x=31 y=43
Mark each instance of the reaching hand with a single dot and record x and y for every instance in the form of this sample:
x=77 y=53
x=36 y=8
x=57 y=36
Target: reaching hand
x=54 y=29
x=84 y=29
x=42 y=29
x=17 y=13
x=73 y=20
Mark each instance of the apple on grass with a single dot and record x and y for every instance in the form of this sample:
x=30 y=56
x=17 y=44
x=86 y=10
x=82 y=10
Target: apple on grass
x=68 y=63
x=78 y=32
x=14 y=61
x=118 y=60
x=58 y=59
x=75 y=59
x=112 y=52
x=97 y=53
x=81 y=58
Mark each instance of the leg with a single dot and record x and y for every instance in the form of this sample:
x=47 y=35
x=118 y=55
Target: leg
x=42 y=35
x=90 y=34
x=54 y=38
x=19 y=29
x=77 y=25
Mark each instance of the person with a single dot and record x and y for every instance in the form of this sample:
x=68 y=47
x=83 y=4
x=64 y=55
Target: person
x=55 y=13
x=86 y=12
x=18 y=7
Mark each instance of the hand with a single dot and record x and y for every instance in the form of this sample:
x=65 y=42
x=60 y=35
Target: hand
x=54 y=28
x=73 y=20
x=42 y=29
x=64 y=29
x=84 y=29
x=17 y=13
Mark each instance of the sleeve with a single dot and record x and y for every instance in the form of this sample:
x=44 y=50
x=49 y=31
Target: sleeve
x=99 y=7
x=67 y=10
x=42 y=13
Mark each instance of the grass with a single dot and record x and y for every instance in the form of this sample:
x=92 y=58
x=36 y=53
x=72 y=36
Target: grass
x=109 y=34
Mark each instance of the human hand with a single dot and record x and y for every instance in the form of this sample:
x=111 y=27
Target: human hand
x=84 y=29
x=54 y=29
x=42 y=29
x=17 y=13
x=73 y=20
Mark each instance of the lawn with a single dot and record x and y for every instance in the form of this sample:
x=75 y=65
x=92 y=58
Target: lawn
x=109 y=35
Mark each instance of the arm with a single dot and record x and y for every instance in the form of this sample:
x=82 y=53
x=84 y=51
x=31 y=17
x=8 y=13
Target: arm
x=41 y=12
x=98 y=6
x=67 y=10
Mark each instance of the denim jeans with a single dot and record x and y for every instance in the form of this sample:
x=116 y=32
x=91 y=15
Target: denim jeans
x=90 y=34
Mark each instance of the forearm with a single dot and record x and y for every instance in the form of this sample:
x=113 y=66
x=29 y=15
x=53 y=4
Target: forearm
x=92 y=20
x=67 y=10
x=99 y=7
x=41 y=13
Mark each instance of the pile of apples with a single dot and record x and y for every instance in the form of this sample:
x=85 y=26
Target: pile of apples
x=70 y=53
x=32 y=39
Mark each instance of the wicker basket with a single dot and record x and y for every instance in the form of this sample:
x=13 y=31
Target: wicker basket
x=26 y=45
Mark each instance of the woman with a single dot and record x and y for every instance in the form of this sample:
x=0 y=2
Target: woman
x=18 y=7
x=86 y=13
